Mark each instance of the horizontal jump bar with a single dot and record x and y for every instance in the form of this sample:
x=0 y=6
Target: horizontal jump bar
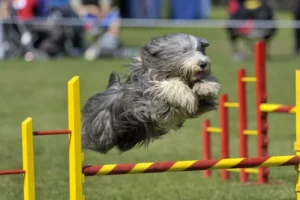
x=214 y=129
x=9 y=172
x=249 y=79
x=267 y=107
x=191 y=165
x=53 y=132
x=231 y=105
x=250 y=132
x=247 y=170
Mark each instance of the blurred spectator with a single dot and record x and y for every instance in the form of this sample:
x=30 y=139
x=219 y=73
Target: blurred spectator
x=102 y=23
x=69 y=38
x=3 y=15
x=25 y=9
x=249 y=11
x=17 y=36
x=296 y=15
x=47 y=39
x=4 y=11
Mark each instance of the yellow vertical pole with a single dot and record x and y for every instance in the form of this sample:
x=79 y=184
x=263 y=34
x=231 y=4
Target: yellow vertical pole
x=75 y=153
x=28 y=159
x=297 y=143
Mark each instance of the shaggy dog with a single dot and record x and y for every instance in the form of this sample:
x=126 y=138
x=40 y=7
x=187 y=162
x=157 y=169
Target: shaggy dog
x=169 y=82
x=238 y=10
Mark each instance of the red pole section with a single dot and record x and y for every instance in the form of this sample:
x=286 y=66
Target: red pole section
x=261 y=117
x=242 y=113
x=53 y=132
x=8 y=172
x=206 y=147
x=224 y=133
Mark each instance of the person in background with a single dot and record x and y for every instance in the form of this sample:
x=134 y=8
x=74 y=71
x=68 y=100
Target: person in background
x=3 y=15
x=4 y=9
x=69 y=38
x=296 y=15
x=46 y=40
x=249 y=11
x=102 y=22
x=18 y=37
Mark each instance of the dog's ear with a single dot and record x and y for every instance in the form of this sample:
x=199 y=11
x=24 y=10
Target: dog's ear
x=144 y=51
x=152 y=50
x=114 y=80
x=203 y=42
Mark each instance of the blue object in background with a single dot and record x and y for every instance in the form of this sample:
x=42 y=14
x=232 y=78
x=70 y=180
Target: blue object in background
x=105 y=22
x=144 y=8
x=187 y=9
x=204 y=9
x=58 y=3
x=190 y=9
x=44 y=6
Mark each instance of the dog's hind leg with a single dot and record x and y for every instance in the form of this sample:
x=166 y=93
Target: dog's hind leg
x=99 y=115
x=268 y=42
x=233 y=37
x=236 y=54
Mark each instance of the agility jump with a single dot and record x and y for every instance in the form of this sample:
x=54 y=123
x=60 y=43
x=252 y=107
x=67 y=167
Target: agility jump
x=77 y=171
x=262 y=108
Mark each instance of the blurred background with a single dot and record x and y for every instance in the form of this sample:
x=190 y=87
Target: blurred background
x=47 y=29
x=44 y=43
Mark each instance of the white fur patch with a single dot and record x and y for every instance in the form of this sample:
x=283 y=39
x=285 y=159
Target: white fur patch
x=176 y=92
x=206 y=88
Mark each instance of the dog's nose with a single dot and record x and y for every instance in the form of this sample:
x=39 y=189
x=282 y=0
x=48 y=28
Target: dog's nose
x=203 y=64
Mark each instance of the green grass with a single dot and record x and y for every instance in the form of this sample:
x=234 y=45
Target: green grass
x=38 y=90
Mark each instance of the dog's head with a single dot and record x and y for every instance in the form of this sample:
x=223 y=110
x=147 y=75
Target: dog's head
x=181 y=55
x=178 y=55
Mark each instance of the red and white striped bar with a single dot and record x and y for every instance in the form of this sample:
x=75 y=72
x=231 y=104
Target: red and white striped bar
x=192 y=165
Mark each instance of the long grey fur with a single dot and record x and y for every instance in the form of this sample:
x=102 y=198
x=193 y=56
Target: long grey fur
x=145 y=107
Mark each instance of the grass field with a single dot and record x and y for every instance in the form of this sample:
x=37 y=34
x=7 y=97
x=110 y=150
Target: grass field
x=38 y=90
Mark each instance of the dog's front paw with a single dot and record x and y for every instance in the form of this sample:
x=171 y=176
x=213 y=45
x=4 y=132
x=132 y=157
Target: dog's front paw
x=207 y=89
x=176 y=93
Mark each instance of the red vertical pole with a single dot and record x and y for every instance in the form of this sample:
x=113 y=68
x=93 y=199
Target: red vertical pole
x=261 y=97
x=224 y=133
x=206 y=145
x=242 y=113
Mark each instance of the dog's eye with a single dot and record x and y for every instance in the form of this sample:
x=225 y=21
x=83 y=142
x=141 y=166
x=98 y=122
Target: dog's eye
x=203 y=52
x=200 y=49
x=201 y=45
